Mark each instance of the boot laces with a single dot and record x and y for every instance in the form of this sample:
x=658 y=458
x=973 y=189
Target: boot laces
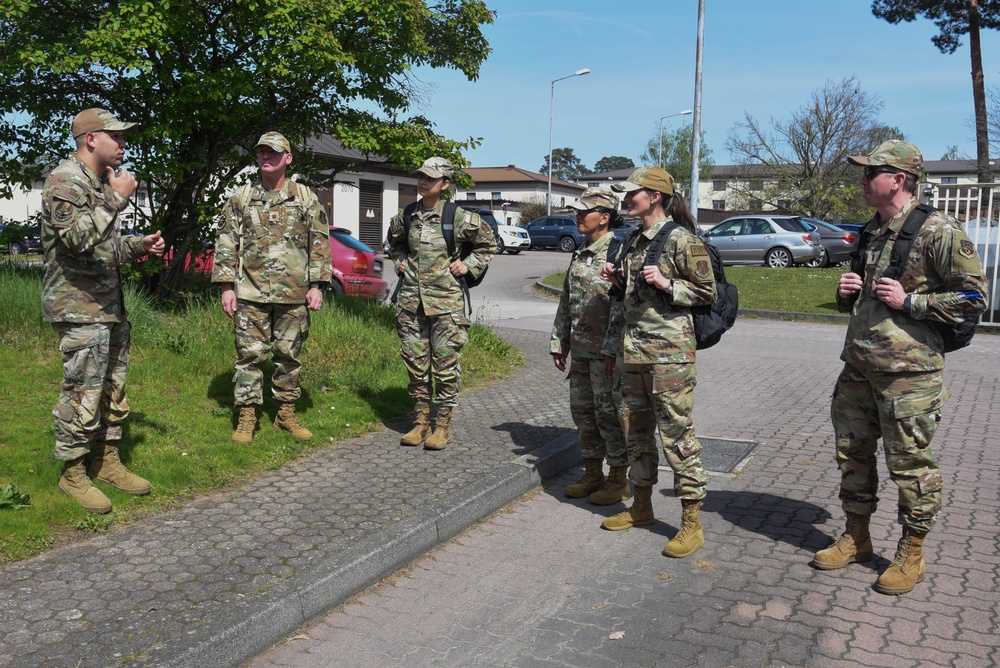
x=246 y=423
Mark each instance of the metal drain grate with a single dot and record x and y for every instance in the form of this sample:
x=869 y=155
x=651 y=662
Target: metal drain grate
x=719 y=455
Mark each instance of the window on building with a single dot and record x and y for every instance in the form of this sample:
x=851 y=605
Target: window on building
x=756 y=205
x=719 y=204
x=562 y=202
x=140 y=198
x=495 y=197
x=594 y=184
x=756 y=184
x=784 y=204
x=470 y=196
x=949 y=180
x=718 y=185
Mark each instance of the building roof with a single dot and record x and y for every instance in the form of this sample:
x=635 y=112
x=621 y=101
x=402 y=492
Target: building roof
x=328 y=146
x=613 y=175
x=515 y=175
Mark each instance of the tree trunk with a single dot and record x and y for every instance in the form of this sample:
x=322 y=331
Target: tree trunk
x=985 y=174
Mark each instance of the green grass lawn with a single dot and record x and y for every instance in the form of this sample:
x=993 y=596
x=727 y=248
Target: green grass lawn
x=181 y=394
x=796 y=290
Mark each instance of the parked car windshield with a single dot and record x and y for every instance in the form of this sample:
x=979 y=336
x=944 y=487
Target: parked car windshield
x=351 y=242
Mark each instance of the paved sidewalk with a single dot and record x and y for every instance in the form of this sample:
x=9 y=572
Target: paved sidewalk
x=218 y=582
x=541 y=585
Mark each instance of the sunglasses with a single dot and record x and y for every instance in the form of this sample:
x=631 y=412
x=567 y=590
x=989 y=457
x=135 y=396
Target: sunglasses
x=871 y=172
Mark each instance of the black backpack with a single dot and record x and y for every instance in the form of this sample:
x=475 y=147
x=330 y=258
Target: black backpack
x=954 y=336
x=711 y=321
x=448 y=230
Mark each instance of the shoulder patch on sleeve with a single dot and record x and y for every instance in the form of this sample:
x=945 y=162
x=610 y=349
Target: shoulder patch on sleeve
x=967 y=249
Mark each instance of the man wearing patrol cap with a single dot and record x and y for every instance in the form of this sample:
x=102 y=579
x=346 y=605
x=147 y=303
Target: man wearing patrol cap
x=82 y=297
x=580 y=325
x=272 y=261
x=651 y=337
x=431 y=310
x=891 y=383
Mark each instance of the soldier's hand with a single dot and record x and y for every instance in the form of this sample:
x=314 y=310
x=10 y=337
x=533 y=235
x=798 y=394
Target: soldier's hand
x=229 y=302
x=850 y=283
x=655 y=277
x=314 y=299
x=458 y=268
x=154 y=244
x=609 y=367
x=890 y=292
x=559 y=360
x=122 y=182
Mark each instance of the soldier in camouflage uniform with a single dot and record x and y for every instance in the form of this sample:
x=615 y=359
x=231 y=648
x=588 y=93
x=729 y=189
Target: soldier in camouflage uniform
x=431 y=312
x=891 y=384
x=82 y=297
x=652 y=336
x=579 y=329
x=272 y=261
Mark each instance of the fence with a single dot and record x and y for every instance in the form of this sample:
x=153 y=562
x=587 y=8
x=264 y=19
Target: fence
x=977 y=207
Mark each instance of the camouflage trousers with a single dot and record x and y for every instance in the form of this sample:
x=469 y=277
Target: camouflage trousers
x=660 y=396
x=278 y=330
x=593 y=408
x=904 y=409
x=92 y=403
x=431 y=348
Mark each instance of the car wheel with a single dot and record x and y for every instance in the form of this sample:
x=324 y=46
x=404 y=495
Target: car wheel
x=336 y=289
x=567 y=244
x=500 y=247
x=822 y=261
x=15 y=249
x=778 y=258
x=513 y=251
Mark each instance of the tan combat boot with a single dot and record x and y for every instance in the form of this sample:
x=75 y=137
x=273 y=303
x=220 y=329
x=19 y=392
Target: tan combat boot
x=591 y=481
x=107 y=467
x=74 y=481
x=285 y=419
x=442 y=431
x=247 y=423
x=690 y=536
x=640 y=514
x=855 y=544
x=615 y=488
x=907 y=569
x=421 y=427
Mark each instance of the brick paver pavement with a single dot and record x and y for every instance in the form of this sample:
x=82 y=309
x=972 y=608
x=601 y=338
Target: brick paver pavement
x=541 y=585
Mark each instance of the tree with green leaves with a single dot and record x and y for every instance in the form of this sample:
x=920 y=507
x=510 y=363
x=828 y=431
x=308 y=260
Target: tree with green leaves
x=672 y=151
x=800 y=163
x=611 y=163
x=951 y=153
x=565 y=165
x=956 y=18
x=205 y=78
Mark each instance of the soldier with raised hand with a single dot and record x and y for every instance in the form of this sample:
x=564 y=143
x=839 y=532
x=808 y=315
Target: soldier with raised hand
x=83 y=299
x=891 y=384
x=272 y=261
x=578 y=330
x=431 y=312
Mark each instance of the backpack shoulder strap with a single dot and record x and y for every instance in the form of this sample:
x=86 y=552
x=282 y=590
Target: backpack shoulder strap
x=659 y=242
x=448 y=227
x=904 y=240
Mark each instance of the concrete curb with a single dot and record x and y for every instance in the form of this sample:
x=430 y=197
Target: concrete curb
x=241 y=633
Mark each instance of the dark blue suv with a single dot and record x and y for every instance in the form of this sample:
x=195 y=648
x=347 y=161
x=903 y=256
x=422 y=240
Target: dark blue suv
x=554 y=232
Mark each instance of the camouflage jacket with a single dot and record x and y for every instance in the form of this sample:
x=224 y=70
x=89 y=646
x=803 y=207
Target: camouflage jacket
x=649 y=326
x=944 y=280
x=584 y=311
x=425 y=276
x=273 y=244
x=83 y=246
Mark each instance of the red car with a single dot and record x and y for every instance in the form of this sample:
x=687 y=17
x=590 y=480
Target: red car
x=357 y=269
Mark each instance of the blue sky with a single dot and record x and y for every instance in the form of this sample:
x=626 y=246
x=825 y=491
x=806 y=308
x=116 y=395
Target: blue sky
x=764 y=57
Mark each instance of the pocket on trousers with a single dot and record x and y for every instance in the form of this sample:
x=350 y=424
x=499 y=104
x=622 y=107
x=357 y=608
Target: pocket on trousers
x=79 y=339
x=919 y=402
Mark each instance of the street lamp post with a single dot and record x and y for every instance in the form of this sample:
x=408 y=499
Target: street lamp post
x=552 y=100
x=686 y=112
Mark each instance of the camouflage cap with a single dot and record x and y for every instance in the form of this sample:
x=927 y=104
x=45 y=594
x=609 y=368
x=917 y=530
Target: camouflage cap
x=651 y=178
x=893 y=153
x=97 y=120
x=275 y=141
x=436 y=168
x=593 y=198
